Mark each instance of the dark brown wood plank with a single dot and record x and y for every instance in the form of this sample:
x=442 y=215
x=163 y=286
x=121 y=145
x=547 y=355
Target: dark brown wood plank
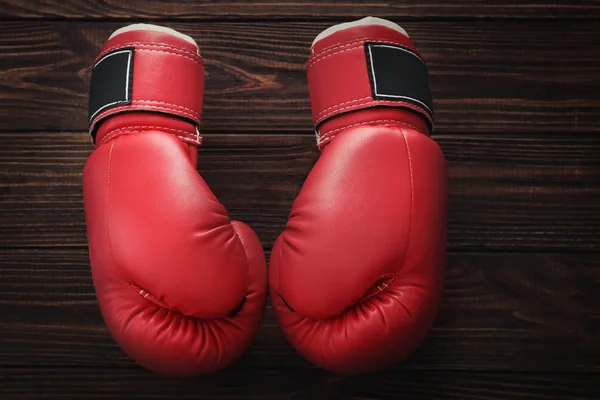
x=42 y=383
x=528 y=312
x=490 y=76
x=207 y=10
x=139 y=384
x=522 y=192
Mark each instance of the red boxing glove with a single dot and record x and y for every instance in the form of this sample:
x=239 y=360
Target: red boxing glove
x=182 y=288
x=356 y=277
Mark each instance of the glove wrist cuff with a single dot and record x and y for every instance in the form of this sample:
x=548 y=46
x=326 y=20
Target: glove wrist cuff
x=147 y=68
x=393 y=117
x=365 y=64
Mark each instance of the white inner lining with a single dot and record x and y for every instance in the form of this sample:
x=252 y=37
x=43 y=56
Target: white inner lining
x=361 y=22
x=154 y=28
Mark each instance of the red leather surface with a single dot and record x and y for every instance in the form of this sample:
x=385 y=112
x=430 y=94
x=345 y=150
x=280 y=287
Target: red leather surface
x=370 y=116
x=338 y=76
x=136 y=122
x=356 y=277
x=162 y=63
x=169 y=266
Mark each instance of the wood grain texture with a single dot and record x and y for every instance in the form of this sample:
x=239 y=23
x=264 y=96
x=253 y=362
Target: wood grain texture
x=528 y=312
x=486 y=77
x=517 y=98
x=520 y=192
x=43 y=383
x=259 y=10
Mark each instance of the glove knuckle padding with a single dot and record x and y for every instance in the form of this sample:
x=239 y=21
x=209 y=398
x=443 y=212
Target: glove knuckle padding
x=176 y=265
x=372 y=294
x=161 y=218
x=337 y=265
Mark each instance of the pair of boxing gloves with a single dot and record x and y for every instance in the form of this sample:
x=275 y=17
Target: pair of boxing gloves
x=356 y=277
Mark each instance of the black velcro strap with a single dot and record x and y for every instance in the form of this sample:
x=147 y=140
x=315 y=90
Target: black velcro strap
x=112 y=82
x=397 y=73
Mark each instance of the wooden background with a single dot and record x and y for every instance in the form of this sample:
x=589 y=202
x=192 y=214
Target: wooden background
x=517 y=93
